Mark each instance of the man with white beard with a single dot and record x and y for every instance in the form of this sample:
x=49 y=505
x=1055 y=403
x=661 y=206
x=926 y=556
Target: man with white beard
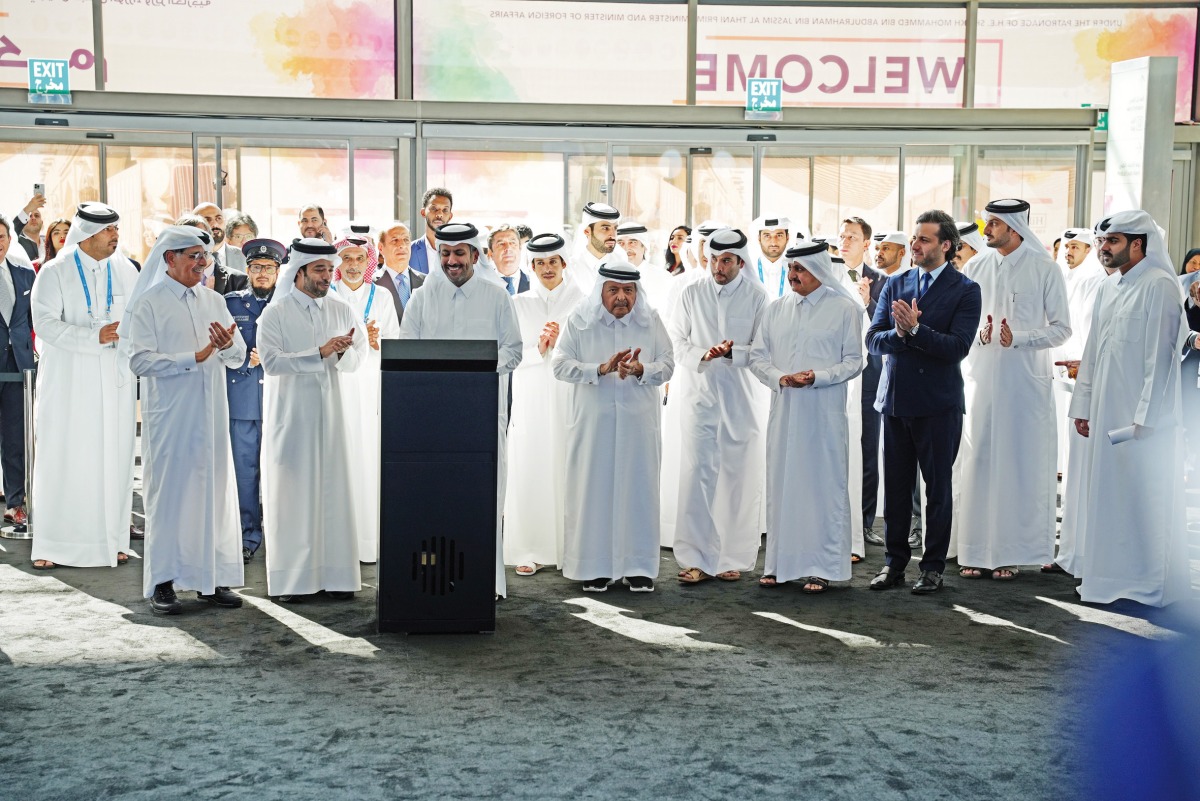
x=1006 y=512
x=308 y=344
x=809 y=346
x=467 y=299
x=614 y=352
x=180 y=338
x=1127 y=404
x=712 y=329
x=82 y=493
x=375 y=313
x=535 y=503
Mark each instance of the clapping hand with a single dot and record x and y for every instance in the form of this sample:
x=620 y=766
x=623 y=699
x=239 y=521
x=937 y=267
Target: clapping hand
x=373 y=334
x=985 y=333
x=630 y=366
x=614 y=361
x=905 y=315
x=338 y=345
x=1006 y=335
x=718 y=351
x=549 y=337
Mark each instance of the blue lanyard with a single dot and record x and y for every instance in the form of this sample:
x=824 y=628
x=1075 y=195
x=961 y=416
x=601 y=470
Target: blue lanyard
x=762 y=280
x=87 y=296
x=370 y=300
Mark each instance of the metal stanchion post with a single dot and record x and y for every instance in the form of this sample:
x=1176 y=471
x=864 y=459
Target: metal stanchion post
x=25 y=532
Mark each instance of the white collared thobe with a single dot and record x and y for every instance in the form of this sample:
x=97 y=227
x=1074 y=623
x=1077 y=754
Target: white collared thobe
x=614 y=446
x=193 y=526
x=476 y=310
x=360 y=397
x=535 y=500
x=1133 y=528
x=1006 y=509
x=809 y=528
x=308 y=473
x=722 y=450
x=85 y=415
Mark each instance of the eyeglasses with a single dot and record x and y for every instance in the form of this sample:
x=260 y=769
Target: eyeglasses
x=195 y=258
x=254 y=268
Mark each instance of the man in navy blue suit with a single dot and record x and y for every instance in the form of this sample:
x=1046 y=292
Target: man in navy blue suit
x=437 y=207
x=925 y=321
x=16 y=340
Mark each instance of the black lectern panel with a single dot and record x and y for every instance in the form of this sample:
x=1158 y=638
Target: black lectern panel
x=437 y=527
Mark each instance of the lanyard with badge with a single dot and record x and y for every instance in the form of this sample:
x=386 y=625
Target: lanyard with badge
x=370 y=302
x=763 y=281
x=87 y=296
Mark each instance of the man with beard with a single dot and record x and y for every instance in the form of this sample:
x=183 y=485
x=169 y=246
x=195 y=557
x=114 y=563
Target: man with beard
x=308 y=342
x=970 y=244
x=395 y=247
x=599 y=239
x=437 y=208
x=773 y=234
x=245 y=386
x=217 y=276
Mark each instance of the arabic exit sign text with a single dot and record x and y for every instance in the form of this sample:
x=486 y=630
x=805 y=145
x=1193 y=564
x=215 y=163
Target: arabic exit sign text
x=48 y=76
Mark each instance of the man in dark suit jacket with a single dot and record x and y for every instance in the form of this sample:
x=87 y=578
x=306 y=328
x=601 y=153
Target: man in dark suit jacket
x=925 y=322
x=870 y=417
x=437 y=208
x=395 y=274
x=16 y=339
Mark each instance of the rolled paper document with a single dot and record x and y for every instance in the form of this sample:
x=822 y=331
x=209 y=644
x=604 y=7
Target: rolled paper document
x=1119 y=435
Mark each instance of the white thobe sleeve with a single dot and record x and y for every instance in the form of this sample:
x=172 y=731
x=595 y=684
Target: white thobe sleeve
x=277 y=361
x=1057 y=329
x=566 y=363
x=1081 y=393
x=142 y=347
x=658 y=371
x=852 y=354
x=235 y=355
x=353 y=357
x=509 y=338
x=688 y=354
x=1160 y=337
x=760 y=360
x=46 y=305
x=741 y=353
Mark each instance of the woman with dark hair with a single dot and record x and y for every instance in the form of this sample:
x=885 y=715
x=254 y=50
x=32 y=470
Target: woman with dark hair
x=56 y=235
x=1191 y=262
x=674 y=247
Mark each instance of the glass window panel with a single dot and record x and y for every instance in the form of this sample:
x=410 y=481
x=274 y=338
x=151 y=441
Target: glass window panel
x=650 y=186
x=375 y=186
x=497 y=187
x=540 y=51
x=932 y=177
x=61 y=30
x=723 y=186
x=71 y=174
x=1097 y=197
x=784 y=186
x=1060 y=58
x=274 y=182
x=285 y=48
x=1043 y=176
x=833 y=55
x=150 y=187
x=854 y=186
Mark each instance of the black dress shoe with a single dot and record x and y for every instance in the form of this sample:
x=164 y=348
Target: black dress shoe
x=887 y=578
x=290 y=599
x=340 y=595
x=872 y=538
x=247 y=555
x=222 y=596
x=914 y=539
x=164 y=601
x=929 y=582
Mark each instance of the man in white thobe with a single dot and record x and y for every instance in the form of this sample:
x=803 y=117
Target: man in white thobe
x=535 y=500
x=86 y=409
x=1005 y=515
x=614 y=353
x=181 y=338
x=634 y=241
x=859 y=285
x=971 y=244
x=598 y=240
x=772 y=232
x=714 y=325
x=308 y=343
x=467 y=299
x=1074 y=250
x=1127 y=403
x=375 y=312
x=1083 y=287
x=808 y=348
x=672 y=413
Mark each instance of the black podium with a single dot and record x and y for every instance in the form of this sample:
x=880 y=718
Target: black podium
x=437 y=506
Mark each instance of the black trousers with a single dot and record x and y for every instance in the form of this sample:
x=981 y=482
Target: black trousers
x=931 y=443
x=12 y=434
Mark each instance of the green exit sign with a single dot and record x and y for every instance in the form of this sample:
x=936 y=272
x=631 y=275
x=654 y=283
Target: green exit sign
x=49 y=76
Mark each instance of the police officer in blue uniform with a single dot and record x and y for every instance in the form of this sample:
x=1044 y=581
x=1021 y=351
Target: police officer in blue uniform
x=245 y=385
